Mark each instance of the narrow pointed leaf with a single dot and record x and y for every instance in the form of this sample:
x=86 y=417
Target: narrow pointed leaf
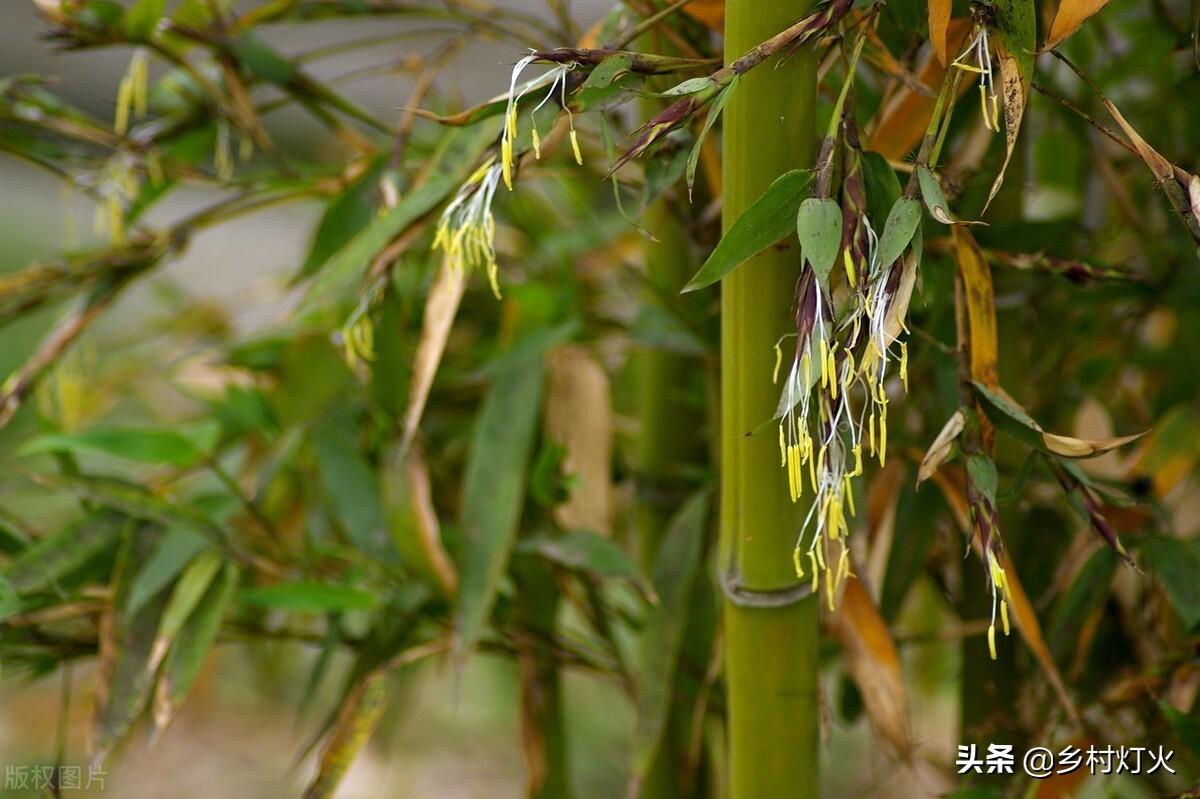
x=662 y=636
x=493 y=493
x=1068 y=18
x=770 y=218
x=1016 y=37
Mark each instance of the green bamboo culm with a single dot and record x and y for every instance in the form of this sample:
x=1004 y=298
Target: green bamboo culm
x=771 y=651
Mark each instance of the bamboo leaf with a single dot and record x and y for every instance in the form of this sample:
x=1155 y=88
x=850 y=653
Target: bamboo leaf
x=142 y=17
x=441 y=306
x=770 y=218
x=146 y=445
x=124 y=679
x=584 y=551
x=54 y=557
x=940 y=449
x=1012 y=418
x=308 y=597
x=1177 y=563
x=1186 y=726
x=10 y=600
x=662 y=635
x=171 y=555
x=493 y=493
x=874 y=663
x=898 y=231
x=935 y=198
x=714 y=111
x=939 y=21
x=1016 y=36
x=413 y=521
x=357 y=718
x=188 y=591
x=819 y=228
x=1068 y=18
x=192 y=645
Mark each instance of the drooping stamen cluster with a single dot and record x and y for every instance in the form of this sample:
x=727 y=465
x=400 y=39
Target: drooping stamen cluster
x=998 y=582
x=132 y=92
x=557 y=78
x=466 y=232
x=849 y=397
x=980 y=53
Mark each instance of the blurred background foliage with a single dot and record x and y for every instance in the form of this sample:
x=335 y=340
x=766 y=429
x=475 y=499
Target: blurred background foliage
x=286 y=502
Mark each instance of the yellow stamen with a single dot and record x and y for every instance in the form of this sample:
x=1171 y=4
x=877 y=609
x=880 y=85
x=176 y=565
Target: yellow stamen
x=904 y=365
x=575 y=148
x=537 y=143
x=1004 y=615
x=796 y=561
x=851 y=278
x=778 y=363
x=992 y=640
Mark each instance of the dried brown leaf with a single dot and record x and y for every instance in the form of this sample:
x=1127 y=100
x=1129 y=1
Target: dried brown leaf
x=939 y=450
x=874 y=664
x=1070 y=15
x=939 y=21
x=440 y=308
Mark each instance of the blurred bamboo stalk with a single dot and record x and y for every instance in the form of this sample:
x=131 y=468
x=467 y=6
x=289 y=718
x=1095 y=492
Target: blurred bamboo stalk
x=770 y=623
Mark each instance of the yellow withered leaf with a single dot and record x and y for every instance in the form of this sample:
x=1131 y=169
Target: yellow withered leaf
x=356 y=720
x=874 y=664
x=981 y=317
x=939 y=450
x=1071 y=14
x=939 y=21
x=710 y=12
x=440 y=309
x=1071 y=447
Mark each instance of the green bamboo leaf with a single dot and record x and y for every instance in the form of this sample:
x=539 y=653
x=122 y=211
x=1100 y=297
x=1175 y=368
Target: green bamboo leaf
x=819 y=228
x=186 y=656
x=935 y=198
x=898 y=231
x=344 y=217
x=189 y=590
x=10 y=601
x=142 y=17
x=883 y=187
x=493 y=493
x=134 y=500
x=714 y=111
x=1186 y=726
x=171 y=555
x=349 y=485
x=138 y=444
x=306 y=597
x=661 y=642
x=770 y=218
x=1177 y=563
x=263 y=61
x=1085 y=597
x=125 y=678
x=584 y=551
x=56 y=556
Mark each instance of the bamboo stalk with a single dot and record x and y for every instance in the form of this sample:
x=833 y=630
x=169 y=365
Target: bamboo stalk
x=771 y=651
